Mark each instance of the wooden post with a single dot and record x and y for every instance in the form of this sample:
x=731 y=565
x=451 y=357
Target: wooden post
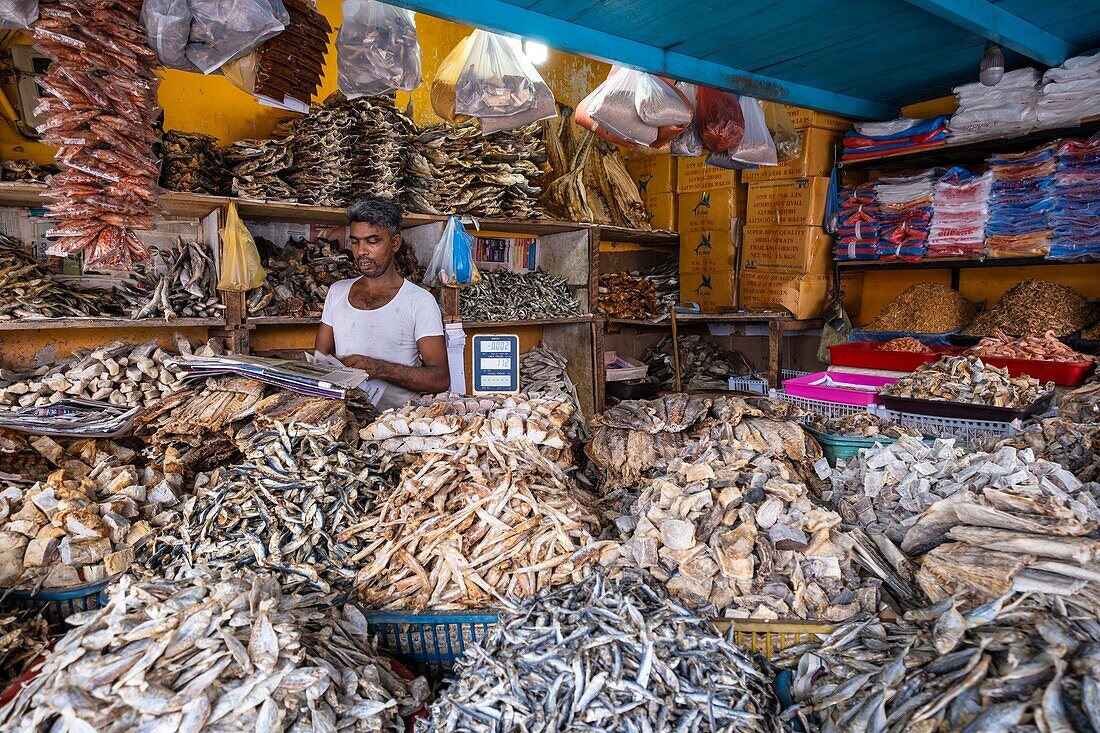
x=676 y=353
x=775 y=353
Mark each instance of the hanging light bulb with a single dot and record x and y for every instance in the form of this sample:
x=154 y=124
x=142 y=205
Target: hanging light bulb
x=537 y=53
x=993 y=65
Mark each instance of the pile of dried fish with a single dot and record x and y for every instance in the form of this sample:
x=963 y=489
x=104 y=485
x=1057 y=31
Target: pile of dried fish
x=182 y=284
x=1073 y=446
x=483 y=175
x=299 y=275
x=606 y=655
x=703 y=364
x=627 y=296
x=861 y=425
x=28 y=290
x=587 y=180
x=1092 y=333
x=22 y=639
x=122 y=374
x=542 y=372
x=261 y=169
x=1046 y=347
x=1036 y=306
x=907 y=344
x=99 y=103
x=966 y=379
x=192 y=162
x=665 y=279
x=508 y=296
x=925 y=308
x=484 y=511
x=25 y=170
x=1082 y=405
x=1015 y=664
x=84 y=522
x=205 y=654
x=386 y=162
x=324 y=141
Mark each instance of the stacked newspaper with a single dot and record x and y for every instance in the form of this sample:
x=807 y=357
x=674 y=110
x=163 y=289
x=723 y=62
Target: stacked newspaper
x=316 y=379
x=71 y=418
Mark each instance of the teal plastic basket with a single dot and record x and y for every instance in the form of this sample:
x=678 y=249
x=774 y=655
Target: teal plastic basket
x=434 y=639
x=56 y=605
x=836 y=447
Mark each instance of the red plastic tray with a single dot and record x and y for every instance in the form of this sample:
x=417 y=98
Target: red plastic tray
x=1064 y=373
x=869 y=355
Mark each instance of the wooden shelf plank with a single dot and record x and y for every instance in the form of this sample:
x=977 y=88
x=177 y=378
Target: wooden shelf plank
x=35 y=324
x=942 y=263
x=528 y=322
x=284 y=320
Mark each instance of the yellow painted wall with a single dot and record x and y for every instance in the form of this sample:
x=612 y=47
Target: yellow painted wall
x=17 y=348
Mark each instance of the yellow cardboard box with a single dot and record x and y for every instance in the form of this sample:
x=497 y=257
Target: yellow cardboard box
x=816 y=159
x=653 y=173
x=713 y=291
x=693 y=174
x=710 y=210
x=662 y=209
x=787 y=202
x=803 y=295
x=807 y=250
x=802 y=117
x=710 y=251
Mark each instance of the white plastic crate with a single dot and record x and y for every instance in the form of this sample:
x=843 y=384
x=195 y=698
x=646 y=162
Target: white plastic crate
x=951 y=427
x=749 y=384
x=792 y=373
x=821 y=407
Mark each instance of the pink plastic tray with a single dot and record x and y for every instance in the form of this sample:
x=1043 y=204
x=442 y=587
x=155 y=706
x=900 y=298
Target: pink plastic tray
x=806 y=387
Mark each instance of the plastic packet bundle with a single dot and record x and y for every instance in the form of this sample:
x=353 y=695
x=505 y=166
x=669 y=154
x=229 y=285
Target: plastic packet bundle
x=906 y=215
x=1020 y=202
x=1010 y=107
x=960 y=203
x=221 y=31
x=1075 y=216
x=452 y=263
x=18 y=14
x=688 y=144
x=377 y=49
x=756 y=147
x=721 y=121
x=858 y=223
x=660 y=104
x=612 y=109
x=168 y=29
x=788 y=143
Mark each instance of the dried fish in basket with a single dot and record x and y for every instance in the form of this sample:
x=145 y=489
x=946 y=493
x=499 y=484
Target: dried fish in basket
x=1036 y=306
x=193 y=163
x=606 y=655
x=623 y=295
x=28 y=290
x=207 y=653
x=507 y=296
x=703 y=363
x=261 y=169
x=968 y=380
x=99 y=104
x=861 y=425
x=22 y=640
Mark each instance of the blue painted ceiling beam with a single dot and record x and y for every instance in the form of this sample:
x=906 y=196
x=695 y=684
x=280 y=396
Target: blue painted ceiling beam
x=985 y=19
x=563 y=35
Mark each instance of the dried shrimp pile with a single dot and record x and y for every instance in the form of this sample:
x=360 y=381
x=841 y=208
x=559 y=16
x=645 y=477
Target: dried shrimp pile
x=925 y=308
x=1046 y=347
x=907 y=344
x=1036 y=306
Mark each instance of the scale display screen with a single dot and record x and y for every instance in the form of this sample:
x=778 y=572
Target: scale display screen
x=495 y=363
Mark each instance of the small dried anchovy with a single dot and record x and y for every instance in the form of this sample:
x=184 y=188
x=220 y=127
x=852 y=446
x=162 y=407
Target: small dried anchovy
x=27 y=290
x=508 y=296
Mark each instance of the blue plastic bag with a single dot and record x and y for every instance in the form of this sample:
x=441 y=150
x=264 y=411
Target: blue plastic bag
x=452 y=264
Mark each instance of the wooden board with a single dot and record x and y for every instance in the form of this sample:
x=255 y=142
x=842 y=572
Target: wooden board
x=51 y=324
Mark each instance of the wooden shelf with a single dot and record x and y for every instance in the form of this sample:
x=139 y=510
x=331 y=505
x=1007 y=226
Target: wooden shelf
x=734 y=317
x=283 y=320
x=528 y=322
x=638 y=236
x=34 y=324
x=944 y=263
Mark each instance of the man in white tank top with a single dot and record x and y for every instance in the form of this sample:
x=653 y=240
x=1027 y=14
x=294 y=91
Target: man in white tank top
x=380 y=322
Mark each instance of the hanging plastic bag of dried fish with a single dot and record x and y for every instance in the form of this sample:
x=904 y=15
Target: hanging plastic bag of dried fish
x=241 y=267
x=788 y=142
x=221 y=31
x=18 y=13
x=688 y=144
x=168 y=28
x=452 y=262
x=756 y=146
x=721 y=121
x=377 y=49
x=635 y=108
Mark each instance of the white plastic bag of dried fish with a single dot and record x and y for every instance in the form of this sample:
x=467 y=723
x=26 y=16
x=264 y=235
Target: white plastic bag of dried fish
x=688 y=144
x=377 y=49
x=167 y=28
x=18 y=13
x=221 y=31
x=756 y=146
x=452 y=262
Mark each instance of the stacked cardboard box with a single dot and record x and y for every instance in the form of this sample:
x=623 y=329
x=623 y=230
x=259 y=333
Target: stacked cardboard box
x=710 y=220
x=655 y=176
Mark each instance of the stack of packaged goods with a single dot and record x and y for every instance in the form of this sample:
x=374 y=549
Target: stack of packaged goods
x=1071 y=92
x=1009 y=108
x=857 y=231
x=655 y=176
x=1020 y=202
x=1075 y=216
x=906 y=206
x=904 y=135
x=710 y=218
x=960 y=210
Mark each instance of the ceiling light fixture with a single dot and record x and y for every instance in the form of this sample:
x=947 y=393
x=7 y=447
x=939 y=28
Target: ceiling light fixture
x=993 y=65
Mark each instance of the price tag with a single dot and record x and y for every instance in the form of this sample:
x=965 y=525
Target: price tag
x=496 y=363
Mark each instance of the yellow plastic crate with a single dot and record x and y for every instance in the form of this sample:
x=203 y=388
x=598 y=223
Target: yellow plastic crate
x=771 y=637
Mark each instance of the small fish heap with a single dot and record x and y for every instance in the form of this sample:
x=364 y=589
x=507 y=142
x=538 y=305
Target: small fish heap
x=623 y=295
x=861 y=425
x=198 y=654
x=22 y=640
x=606 y=655
x=906 y=344
x=1018 y=663
x=966 y=379
x=484 y=511
x=703 y=364
x=1046 y=347
x=925 y=308
x=299 y=276
x=261 y=169
x=28 y=290
x=323 y=141
x=542 y=372
x=84 y=523
x=508 y=296
x=1036 y=306
x=178 y=283
x=193 y=163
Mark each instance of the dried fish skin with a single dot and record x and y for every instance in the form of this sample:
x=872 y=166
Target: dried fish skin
x=1034 y=307
x=621 y=656
x=193 y=163
x=969 y=380
x=231 y=652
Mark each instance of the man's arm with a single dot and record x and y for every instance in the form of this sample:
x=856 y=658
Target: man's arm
x=433 y=376
x=326 y=340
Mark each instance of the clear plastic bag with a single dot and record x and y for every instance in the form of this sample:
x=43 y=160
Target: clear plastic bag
x=721 y=122
x=545 y=107
x=168 y=28
x=688 y=144
x=452 y=264
x=659 y=103
x=241 y=72
x=492 y=82
x=18 y=13
x=756 y=146
x=241 y=267
x=377 y=49
x=222 y=31
x=612 y=106
x=788 y=143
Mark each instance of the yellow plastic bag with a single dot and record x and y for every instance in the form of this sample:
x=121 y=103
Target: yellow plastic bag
x=241 y=268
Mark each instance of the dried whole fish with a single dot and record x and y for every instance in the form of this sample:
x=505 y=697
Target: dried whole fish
x=387 y=161
x=261 y=169
x=25 y=170
x=925 y=308
x=193 y=163
x=542 y=372
x=178 y=283
x=22 y=640
x=1082 y=405
x=623 y=295
x=323 y=144
x=1036 y=306
x=508 y=296
x=907 y=344
x=84 y=523
x=299 y=276
x=1046 y=347
x=28 y=290
x=99 y=103
x=666 y=281
x=967 y=379
x=1017 y=663
x=606 y=655
x=861 y=425
x=1073 y=446
x=703 y=364
x=236 y=653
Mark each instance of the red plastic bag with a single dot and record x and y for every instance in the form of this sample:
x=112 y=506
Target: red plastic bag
x=721 y=122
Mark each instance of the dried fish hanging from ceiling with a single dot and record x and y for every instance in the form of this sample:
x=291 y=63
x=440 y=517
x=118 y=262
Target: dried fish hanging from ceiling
x=652 y=665
x=28 y=290
x=192 y=163
x=703 y=363
x=261 y=169
x=233 y=653
x=99 y=104
x=503 y=295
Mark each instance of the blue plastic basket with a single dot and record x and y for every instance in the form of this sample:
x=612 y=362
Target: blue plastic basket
x=434 y=639
x=56 y=605
x=836 y=447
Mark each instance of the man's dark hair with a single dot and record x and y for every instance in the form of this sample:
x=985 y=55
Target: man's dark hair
x=379 y=212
